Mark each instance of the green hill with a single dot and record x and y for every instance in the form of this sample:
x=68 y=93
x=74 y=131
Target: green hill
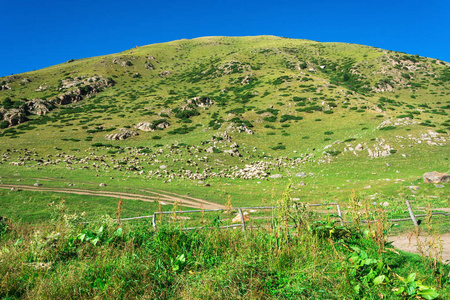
x=231 y=111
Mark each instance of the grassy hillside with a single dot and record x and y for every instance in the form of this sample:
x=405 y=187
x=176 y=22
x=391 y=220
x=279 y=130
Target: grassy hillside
x=308 y=105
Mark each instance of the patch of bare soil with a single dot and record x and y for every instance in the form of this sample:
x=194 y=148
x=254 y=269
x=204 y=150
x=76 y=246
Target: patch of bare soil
x=164 y=197
x=409 y=244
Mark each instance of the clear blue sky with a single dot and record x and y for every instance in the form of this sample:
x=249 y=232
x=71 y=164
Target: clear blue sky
x=37 y=34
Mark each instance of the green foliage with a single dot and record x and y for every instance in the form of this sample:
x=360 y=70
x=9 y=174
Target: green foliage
x=7 y=103
x=4 y=124
x=391 y=127
x=279 y=147
x=270 y=119
x=285 y=118
x=182 y=130
x=333 y=153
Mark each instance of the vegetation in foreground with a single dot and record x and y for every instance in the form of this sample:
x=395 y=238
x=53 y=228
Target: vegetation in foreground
x=68 y=258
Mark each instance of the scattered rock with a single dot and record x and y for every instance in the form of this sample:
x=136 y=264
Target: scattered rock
x=102 y=184
x=301 y=174
x=238 y=218
x=122 y=134
x=436 y=177
x=276 y=176
x=439 y=185
x=165 y=73
x=37 y=184
x=233 y=152
x=413 y=187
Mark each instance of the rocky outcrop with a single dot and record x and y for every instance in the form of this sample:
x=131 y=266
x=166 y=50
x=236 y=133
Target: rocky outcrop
x=4 y=87
x=380 y=150
x=233 y=152
x=14 y=116
x=245 y=129
x=122 y=134
x=200 y=102
x=38 y=107
x=165 y=73
x=123 y=61
x=92 y=86
x=397 y=122
x=152 y=126
x=145 y=126
x=163 y=125
x=41 y=88
x=436 y=177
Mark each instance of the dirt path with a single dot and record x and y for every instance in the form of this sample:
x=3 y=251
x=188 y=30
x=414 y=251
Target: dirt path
x=403 y=243
x=164 y=197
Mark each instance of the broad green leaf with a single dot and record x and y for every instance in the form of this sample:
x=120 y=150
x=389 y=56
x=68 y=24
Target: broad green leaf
x=411 y=277
x=428 y=294
x=379 y=279
x=411 y=289
x=119 y=232
x=81 y=236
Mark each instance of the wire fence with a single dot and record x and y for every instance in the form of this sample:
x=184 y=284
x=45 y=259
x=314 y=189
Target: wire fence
x=255 y=217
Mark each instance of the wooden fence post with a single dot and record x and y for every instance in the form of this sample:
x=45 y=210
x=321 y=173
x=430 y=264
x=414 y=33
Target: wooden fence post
x=340 y=214
x=242 y=219
x=413 y=218
x=154 y=221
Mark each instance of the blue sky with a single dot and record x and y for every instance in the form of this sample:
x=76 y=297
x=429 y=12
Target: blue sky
x=37 y=34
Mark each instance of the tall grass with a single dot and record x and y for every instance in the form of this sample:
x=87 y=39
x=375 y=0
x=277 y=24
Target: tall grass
x=68 y=258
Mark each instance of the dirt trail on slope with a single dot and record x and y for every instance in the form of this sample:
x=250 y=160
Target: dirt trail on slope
x=165 y=197
x=404 y=243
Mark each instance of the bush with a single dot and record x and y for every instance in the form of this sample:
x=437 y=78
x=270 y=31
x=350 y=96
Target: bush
x=4 y=124
x=270 y=119
x=285 y=118
x=7 y=103
x=279 y=147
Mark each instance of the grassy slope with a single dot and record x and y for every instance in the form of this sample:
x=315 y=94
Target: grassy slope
x=195 y=67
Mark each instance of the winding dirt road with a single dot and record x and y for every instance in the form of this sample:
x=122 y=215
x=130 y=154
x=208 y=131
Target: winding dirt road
x=162 y=196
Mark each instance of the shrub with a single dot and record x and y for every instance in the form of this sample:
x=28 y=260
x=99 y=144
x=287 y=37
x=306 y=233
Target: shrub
x=270 y=119
x=279 y=147
x=328 y=132
x=285 y=118
x=388 y=128
x=4 y=124
x=333 y=153
x=7 y=103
